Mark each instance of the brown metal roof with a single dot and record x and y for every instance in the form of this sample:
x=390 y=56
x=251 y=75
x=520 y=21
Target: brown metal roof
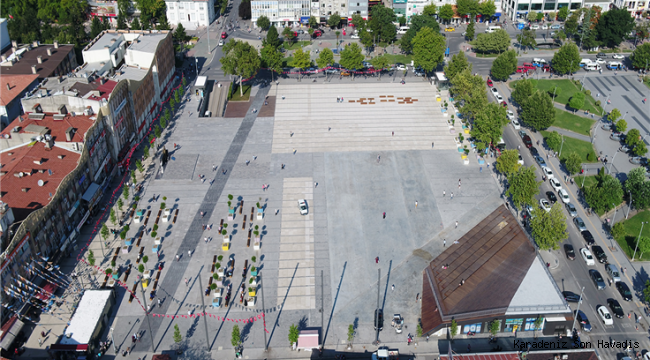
x=29 y=58
x=490 y=261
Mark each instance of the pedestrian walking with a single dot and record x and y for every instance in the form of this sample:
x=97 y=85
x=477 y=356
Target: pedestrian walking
x=480 y=169
x=186 y=282
x=189 y=253
x=444 y=243
x=214 y=167
x=416 y=204
x=378 y=157
x=159 y=302
x=452 y=195
x=277 y=211
x=393 y=133
x=432 y=144
x=178 y=257
x=377 y=260
x=384 y=215
x=456 y=224
x=393 y=287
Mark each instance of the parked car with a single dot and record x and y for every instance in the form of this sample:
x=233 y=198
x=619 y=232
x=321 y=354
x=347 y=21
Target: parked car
x=597 y=279
x=570 y=296
x=601 y=55
x=555 y=27
x=551 y=197
x=548 y=172
x=580 y=224
x=606 y=127
x=624 y=291
x=539 y=62
x=564 y=195
x=589 y=238
x=510 y=115
x=540 y=160
x=534 y=151
x=354 y=36
x=527 y=141
x=450 y=29
x=570 y=253
x=534 y=27
x=639 y=160
x=302 y=205
x=583 y=320
x=400 y=66
x=616 y=308
x=587 y=257
x=599 y=253
x=317 y=33
x=529 y=66
x=618 y=56
x=489 y=82
x=520 y=161
x=612 y=272
x=498 y=97
x=617 y=137
x=522 y=133
x=495 y=91
x=600 y=61
x=571 y=209
x=605 y=316
x=555 y=184
x=224 y=35
x=544 y=204
x=516 y=124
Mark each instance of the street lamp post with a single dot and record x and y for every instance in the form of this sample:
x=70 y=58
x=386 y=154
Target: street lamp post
x=614 y=218
x=113 y=341
x=560 y=155
x=638 y=238
x=579 y=302
x=612 y=163
x=606 y=100
x=630 y=205
x=196 y=61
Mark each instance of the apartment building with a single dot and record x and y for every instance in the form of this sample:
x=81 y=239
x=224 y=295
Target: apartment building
x=16 y=86
x=292 y=13
x=44 y=60
x=515 y=9
x=192 y=14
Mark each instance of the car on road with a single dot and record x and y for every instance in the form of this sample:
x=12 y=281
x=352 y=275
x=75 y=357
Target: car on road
x=220 y=42
x=571 y=296
x=564 y=195
x=618 y=56
x=495 y=91
x=600 y=61
x=617 y=137
x=612 y=272
x=354 y=36
x=522 y=69
x=529 y=66
x=224 y=35
x=548 y=172
x=544 y=204
x=504 y=104
x=583 y=320
x=589 y=238
x=551 y=197
x=587 y=257
x=499 y=98
x=516 y=124
x=450 y=29
x=617 y=309
x=346 y=73
x=573 y=212
x=540 y=160
x=534 y=27
x=605 y=316
x=527 y=141
x=601 y=55
x=534 y=151
x=580 y=224
x=624 y=291
x=555 y=184
x=570 y=253
x=625 y=149
x=302 y=205
x=418 y=72
x=331 y=71
x=367 y=65
x=489 y=82
x=599 y=253
x=556 y=27
x=522 y=133
x=317 y=33
x=520 y=161
x=597 y=279
x=510 y=115
x=639 y=160
x=606 y=126
x=400 y=66
x=379 y=319
x=539 y=62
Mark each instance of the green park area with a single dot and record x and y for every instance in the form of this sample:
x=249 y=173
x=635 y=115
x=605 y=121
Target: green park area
x=398 y=58
x=294 y=45
x=589 y=180
x=583 y=148
x=575 y=123
x=235 y=94
x=567 y=89
x=632 y=228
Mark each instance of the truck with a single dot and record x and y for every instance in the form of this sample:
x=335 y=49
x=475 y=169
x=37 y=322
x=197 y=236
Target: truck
x=385 y=354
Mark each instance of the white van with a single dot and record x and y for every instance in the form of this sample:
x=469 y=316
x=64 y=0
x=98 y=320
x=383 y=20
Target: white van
x=402 y=30
x=492 y=29
x=613 y=65
x=585 y=62
x=592 y=67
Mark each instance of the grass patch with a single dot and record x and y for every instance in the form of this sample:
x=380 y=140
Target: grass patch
x=582 y=148
x=286 y=62
x=578 y=124
x=295 y=45
x=236 y=96
x=632 y=228
x=487 y=55
x=568 y=89
x=590 y=180
x=399 y=58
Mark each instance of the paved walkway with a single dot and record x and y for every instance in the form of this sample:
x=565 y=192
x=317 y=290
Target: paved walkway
x=570 y=133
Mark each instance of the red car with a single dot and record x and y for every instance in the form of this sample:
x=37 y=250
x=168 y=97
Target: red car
x=489 y=82
x=318 y=33
x=224 y=35
x=529 y=66
x=522 y=69
x=504 y=104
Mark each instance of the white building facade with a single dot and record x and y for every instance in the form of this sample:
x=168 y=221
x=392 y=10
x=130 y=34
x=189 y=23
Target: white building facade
x=519 y=9
x=192 y=14
x=282 y=13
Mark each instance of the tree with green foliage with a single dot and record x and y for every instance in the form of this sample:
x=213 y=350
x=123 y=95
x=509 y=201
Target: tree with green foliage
x=632 y=138
x=641 y=56
x=334 y=20
x=523 y=186
x=105 y=232
x=235 y=338
x=487 y=9
x=418 y=22
x=640 y=149
x=263 y=22
x=540 y=16
x=495 y=326
x=293 y=334
x=495 y=42
x=639 y=188
x=139 y=165
x=508 y=162
x=446 y=12
x=177 y=335
x=121 y=22
x=272 y=38
x=113 y=216
x=527 y=38
x=146 y=152
x=573 y=163
x=359 y=22
x=325 y=58
x=469 y=90
x=428 y=49
x=532 y=16
x=469 y=7
x=313 y=22
x=91 y=258
x=272 y=59
x=563 y=13
x=245 y=10
x=120 y=204
x=613 y=26
x=125 y=192
x=240 y=59
x=96 y=27
x=430 y=10
x=179 y=35
x=644 y=245
x=646 y=291
x=133 y=177
x=571 y=24
x=554 y=140
x=382 y=24
x=607 y=192
x=621 y=125
x=350 y=334
x=150 y=11
x=489 y=124
x=135 y=24
x=288 y=34
x=504 y=65
x=548 y=228
x=577 y=101
x=614 y=115
x=567 y=59
x=351 y=56
x=402 y=20
x=301 y=59
x=618 y=230
x=523 y=91
x=457 y=64
x=380 y=63
x=552 y=16
x=538 y=111
x=470 y=33
x=555 y=92
x=453 y=328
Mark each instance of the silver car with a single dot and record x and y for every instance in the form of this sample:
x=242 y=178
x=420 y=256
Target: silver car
x=571 y=209
x=580 y=224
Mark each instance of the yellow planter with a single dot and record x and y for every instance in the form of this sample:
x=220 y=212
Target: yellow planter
x=252 y=293
x=466 y=131
x=145 y=283
x=463 y=156
x=225 y=246
x=438 y=98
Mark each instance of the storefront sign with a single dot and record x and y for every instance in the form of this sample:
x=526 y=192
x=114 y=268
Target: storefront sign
x=101 y=167
x=82 y=179
x=73 y=209
x=83 y=220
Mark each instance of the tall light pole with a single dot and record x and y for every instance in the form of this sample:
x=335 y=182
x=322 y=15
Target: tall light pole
x=637 y=239
x=614 y=218
x=612 y=163
x=196 y=61
x=579 y=302
x=630 y=205
x=113 y=341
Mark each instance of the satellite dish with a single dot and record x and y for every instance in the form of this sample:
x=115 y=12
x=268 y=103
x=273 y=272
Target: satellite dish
x=41 y=183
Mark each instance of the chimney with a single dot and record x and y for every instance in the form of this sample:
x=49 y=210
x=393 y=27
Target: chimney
x=101 y=81
x=34 y=69
x=49 y=51
x=8 y=87
x=18 y=56
x=35 y=44
x=14 y=49
x=14 y=43
x=39 y=58
x=56 y=44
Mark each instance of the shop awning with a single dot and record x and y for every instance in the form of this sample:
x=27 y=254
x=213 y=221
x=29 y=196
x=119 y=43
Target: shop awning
x=73 y=347
x=308 y=339
x=10 y=330
x=49 y=289
x=90 y=193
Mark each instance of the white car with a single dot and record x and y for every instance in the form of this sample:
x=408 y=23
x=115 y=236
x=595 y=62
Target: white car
x=605 y=316
x=495 y=92
x=510 y=115
x=220 y=42
x=544 y=27
x=498 y=97
x=618 y=56
x=400 y=67
x=600 y=61
x=555 y=184
x=516 y=124
x=539 y=61
x=544 y=204
x=302 y=205
x=520 y=161
x=354 y=36
x=548 y=172
x=534 y=27
x=587 y=257
x=564 y=195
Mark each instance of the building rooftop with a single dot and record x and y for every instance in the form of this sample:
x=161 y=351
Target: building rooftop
x=85 y=318
x=30 y=57
x=147 y=42
x=104 y=40
x=567 y=354
x=54 y=125
x=100 y=91
x=495 y=254
x=130 y=73
x=17 y=84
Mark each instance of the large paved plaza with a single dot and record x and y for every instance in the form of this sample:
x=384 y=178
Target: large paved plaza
x=345 y=161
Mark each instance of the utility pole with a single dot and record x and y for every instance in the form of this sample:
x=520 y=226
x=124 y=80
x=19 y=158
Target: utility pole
x=638 y=238
x=205 y=321
x=209 y=52
x=612 y=163
x=266 y=346
x=377 y=309
x=579 y=302
x=113 y=341
x=146 y=315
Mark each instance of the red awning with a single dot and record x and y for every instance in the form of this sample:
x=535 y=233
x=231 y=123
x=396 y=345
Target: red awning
x=308 y=339
x=72 y=347
x=49 y=289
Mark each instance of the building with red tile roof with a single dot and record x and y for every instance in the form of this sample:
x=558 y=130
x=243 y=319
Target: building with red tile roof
x=14 y=88
x=64 y=129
